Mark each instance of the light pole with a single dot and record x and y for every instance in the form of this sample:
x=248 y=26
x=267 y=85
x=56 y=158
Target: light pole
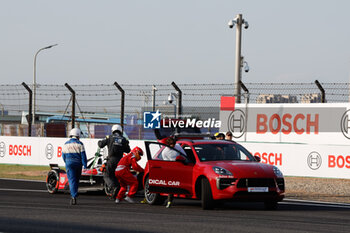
x=238 y=21
x=34 y=79
x=171 y=100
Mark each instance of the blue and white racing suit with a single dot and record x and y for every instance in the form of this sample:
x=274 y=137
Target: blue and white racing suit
x=73 y=153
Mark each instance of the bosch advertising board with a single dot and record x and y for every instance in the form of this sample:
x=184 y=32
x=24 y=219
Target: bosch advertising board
x=46 y=150
x=298 y=123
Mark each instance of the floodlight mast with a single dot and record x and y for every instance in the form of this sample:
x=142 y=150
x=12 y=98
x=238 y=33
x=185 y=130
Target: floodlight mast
x=238 y=22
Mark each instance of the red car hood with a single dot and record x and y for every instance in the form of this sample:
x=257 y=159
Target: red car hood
x=246 y=169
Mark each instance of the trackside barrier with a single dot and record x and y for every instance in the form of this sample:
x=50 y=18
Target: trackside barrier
x=301 y=139
x=46 y=150
x=307 y=160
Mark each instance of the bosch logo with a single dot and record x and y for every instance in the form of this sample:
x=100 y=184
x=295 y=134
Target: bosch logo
x=314 y=160
x=49 y=151
x=345 y=125
x=236 y=123
x=2 y=149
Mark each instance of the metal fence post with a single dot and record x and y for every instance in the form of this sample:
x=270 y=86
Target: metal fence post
x=122 y=104
x=73 y=104
x=179 y=100
x=323 y=93
x=245 y=89
x=154 y=89
x=246 y=100
x=30 y=109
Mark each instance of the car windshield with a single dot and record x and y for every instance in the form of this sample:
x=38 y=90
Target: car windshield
x=215 y=152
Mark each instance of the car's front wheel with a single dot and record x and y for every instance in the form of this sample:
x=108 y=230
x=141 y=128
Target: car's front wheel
x=207 y=197
x=52 y=181
x=152 y=198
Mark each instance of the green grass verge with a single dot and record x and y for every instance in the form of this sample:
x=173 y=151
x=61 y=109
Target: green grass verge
x=26 y=172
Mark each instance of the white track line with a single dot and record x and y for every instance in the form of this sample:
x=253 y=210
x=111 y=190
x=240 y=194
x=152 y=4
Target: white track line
x=24 y=190
x=315 y=203
x=21 y=180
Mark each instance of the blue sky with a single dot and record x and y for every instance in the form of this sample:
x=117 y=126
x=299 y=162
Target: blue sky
x=160 y=41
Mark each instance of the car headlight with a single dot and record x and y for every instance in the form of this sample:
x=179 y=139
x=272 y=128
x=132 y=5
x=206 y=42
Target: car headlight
x=277 y=171
x=222 y=171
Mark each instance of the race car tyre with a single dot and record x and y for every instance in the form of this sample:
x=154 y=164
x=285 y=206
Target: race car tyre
x=152 y=198
x=207 y=197
x=52 y=181
x=270 y=205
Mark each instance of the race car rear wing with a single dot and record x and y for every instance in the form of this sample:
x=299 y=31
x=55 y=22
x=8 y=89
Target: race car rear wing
x=54 y=166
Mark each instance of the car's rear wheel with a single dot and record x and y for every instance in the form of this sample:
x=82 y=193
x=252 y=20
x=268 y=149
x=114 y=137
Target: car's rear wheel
x=52 y=181
x=152 y=198
x=207 y=197
x=271 y=205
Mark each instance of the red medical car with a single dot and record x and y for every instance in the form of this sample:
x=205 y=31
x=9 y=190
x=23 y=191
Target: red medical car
x=211 y=170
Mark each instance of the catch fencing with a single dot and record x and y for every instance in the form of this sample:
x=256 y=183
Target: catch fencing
x=201 y=101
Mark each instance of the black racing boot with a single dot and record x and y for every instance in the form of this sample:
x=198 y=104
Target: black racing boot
x=114 y=193
x=73 y=201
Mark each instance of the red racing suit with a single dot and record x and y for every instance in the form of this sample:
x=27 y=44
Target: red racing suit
x=125 y=177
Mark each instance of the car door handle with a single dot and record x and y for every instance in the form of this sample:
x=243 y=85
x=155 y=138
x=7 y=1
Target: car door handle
x=156 y=167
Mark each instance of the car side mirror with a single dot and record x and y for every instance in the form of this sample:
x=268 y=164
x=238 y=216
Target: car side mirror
x=181 y=159
x=257 y=158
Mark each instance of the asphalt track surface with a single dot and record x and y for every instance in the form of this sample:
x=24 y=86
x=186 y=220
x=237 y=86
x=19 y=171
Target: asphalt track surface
x=27 y=207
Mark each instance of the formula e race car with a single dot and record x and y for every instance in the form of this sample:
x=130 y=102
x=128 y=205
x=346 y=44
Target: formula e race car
x=91 y=178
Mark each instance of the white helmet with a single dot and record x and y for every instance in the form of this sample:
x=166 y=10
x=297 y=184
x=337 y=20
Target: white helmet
x=117 y=127
x=75 y=132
